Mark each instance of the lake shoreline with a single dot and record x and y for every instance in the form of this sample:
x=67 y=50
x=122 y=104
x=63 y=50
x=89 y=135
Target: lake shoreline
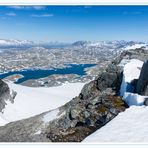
x=28 y=74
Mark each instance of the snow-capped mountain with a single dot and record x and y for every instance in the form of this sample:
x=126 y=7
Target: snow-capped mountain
x=13 y=42
x=110 y=47
x=97 y=44
x=113 y=44
x=27 y=43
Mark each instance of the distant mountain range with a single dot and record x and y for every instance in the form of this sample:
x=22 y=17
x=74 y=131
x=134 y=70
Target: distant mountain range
x=27 y=43
x=12 y=42
x=90 y=44
x=115 y=43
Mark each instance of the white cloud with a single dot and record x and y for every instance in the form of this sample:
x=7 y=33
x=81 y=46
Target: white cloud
x=11 y=14
x=42 y=15
x=36 y=7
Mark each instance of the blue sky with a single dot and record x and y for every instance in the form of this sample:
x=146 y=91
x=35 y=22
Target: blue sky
x=72 y=23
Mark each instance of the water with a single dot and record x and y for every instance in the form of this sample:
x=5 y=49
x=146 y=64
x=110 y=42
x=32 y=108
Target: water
x=28 y=74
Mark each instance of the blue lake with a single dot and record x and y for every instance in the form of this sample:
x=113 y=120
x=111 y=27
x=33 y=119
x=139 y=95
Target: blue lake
x=28 y=74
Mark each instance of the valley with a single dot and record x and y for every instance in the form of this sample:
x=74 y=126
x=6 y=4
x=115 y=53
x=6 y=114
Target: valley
x=36 y=65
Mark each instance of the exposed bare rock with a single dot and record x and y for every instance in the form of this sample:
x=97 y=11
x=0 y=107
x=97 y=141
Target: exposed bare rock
x=5 y=95
x=142 y=85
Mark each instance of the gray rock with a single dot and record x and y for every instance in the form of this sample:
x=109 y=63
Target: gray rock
x=5 y=95
x=95 y=101
x=142 y=84
x=146 y=102
x=114 y=111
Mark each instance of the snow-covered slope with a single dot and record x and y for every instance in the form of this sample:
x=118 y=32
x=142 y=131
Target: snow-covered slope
x=131 y=125
x=128 y=126
x=32 y=101
x=131 y=71
x=135 y=46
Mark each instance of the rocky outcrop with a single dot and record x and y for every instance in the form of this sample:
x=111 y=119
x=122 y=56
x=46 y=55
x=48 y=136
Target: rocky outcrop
x=142 y=84
x=137 y=53
x=5 y=95
x=97 y=104
x=92 y=109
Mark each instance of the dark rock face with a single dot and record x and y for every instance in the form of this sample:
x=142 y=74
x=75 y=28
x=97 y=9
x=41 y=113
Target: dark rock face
x=96 y=105
x=146 y=102
x=142 y=85
x=5 y=95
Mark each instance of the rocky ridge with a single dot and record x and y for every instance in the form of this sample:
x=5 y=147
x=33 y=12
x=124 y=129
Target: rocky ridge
x=97 y=104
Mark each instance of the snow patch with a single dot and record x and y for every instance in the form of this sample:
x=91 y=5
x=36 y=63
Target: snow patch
x=54 y=114
x=38 y=132
x=32 y=101
x=133 y=99
x=131 y=71
x=135 y=46
x=3 y=120
x=124 y=62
